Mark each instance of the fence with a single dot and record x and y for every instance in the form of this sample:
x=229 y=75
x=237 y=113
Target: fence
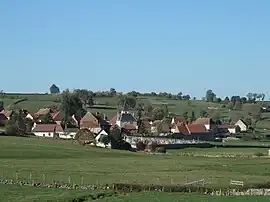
x=84 y=178
x=237 y=183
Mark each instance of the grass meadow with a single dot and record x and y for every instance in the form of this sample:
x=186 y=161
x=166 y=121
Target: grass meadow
x=49 y=160
x=62 y=160
x=12 y=193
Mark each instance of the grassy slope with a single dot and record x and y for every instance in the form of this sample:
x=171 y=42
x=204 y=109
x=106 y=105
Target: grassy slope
x=35 y=102
x=59 y=159
x=12 y=193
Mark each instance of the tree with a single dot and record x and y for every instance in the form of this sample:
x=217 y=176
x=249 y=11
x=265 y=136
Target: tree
x=179 y=95
x=250 y=96
x=186 y=97
x=192 y=118
x=17 y=123
x=158 y=113
x=185 y=116
x=126 y=102
x=215 y=116
x=238 y=105
x=54 y=89
x=71 y=104
x=203 y=114
x=105 y=139
x=86 y=96
x=47 y=119
x=227 y=100
x=1 y=105
x=210 y=96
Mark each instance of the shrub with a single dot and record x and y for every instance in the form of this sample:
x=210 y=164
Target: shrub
x=140 y=146
x=161 y=150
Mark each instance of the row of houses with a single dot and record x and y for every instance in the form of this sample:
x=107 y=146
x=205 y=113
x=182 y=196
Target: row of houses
x=202 y=128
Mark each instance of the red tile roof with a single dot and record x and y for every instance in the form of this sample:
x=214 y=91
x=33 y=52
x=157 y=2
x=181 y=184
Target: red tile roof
x=113 y=120
x=89 y=116
x=182 y=128
x=48 y=128
x=56 y=116
x=197 y=128
x=89 y=124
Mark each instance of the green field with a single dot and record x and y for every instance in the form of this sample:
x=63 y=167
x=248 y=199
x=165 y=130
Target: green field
x=48 y=160
x=61 y=160
x=34 y=102
x=12 y=193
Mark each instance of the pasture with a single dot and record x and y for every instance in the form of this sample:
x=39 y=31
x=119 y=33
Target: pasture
x=51 y=160
x=14 y=193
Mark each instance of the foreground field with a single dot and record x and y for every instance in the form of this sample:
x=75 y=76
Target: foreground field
x=58 y=160
x=11 y=193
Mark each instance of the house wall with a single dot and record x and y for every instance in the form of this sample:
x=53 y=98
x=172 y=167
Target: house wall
x=120 y=124
x=44 y=134
x=70 y=135
x=232 y=130
x=207 y=126
x=29 y=116
x=242 y=126
x=95 y=130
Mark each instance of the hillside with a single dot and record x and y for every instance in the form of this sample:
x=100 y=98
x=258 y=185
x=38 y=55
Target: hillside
x=109 y=105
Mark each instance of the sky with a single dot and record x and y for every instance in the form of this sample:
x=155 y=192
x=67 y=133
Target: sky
x=174 y=46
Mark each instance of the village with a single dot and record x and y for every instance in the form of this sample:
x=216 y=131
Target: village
x=176 y=128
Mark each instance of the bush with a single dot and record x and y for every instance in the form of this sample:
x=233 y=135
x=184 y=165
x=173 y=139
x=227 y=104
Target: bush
x=151 y=147
x=140 y=146
x=161 y=150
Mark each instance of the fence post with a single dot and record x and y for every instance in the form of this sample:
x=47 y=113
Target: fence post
x=69 y=179
x=186 y=179
x=43 y=177
x=17 y=176
x=30 y=176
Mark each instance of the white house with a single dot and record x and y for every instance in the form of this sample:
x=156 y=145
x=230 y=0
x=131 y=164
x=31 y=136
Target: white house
x=243 y=126
x=47 y=130
x=69 y=133
x=98 y=140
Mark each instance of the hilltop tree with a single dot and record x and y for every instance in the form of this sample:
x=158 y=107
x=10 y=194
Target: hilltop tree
x=250 y=96
x=179 y=95
x=227 y=100
x=210 y=96
x=54 y=89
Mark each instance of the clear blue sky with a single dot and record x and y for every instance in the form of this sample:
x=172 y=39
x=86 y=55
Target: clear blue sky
x=143 y=45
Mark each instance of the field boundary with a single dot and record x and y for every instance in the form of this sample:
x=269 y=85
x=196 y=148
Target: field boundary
x=128 y=188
